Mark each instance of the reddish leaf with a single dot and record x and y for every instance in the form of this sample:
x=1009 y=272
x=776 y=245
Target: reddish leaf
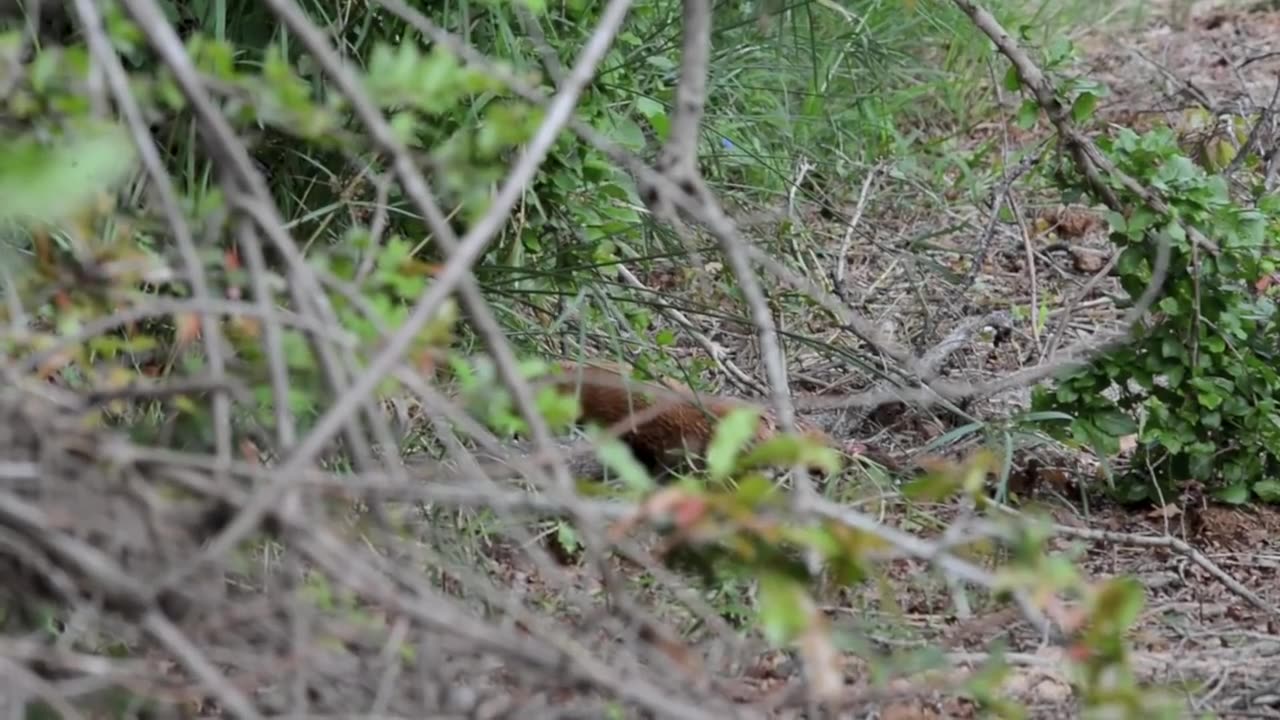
x=187 y=327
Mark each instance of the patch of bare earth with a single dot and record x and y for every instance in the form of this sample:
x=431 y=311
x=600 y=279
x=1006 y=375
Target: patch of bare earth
x=1223 y=56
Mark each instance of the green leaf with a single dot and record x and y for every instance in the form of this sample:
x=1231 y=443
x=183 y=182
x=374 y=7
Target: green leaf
x=754 y=489
x=661 y=62
x=1234 y=494
x=650 y=108
x=733 y=432
x=1115 y=423
x=954 y=435
x=404 y=125
x=1267 y=490
x=1012 y=80
x=559 y=409
x=1045 y=416
x=618 y=457
x=1084 y=106
x=932 y=487
x=786 y=450
x=629 y=134
x=47 y=182
x=1028 y=114
x=567 y=537
x=316 y=588
x=1210 y=400
x=1120 y=602
x=1170 y=306
x=783 y=608
x=1060 y=49
x=1201 y=466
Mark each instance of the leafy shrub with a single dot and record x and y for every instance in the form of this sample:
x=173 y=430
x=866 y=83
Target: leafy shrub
x=1196 y=384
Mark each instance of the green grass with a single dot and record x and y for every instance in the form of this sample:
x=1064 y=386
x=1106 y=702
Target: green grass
x=837 y=85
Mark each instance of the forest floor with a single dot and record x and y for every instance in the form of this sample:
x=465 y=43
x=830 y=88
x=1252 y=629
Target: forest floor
x=1196 y=633
x=1216 y=639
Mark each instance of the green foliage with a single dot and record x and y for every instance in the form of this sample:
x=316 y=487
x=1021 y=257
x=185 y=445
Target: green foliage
x=732 y=433
x=804 y=80
x=731 y=534
x=49 y=181
x=617 y=457
x=786 y=450
x=1197 y=385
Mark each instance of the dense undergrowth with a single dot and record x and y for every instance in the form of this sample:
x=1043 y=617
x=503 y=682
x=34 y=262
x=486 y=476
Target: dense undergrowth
x=804 y=101
x=818 y=87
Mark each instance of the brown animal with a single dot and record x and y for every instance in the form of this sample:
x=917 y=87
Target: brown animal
x=662 y=424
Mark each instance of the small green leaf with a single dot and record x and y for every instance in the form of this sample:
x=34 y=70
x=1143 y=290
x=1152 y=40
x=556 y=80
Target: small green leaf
x=786 y=450
x=618 y=457
x=1083 y=107
x=567 y=537
x=629 y=134
x=783 y=608
x=650 y=108
x=316 y=588
x=404 y=125
x=559 y=409
x=1267 y=490
x=1028 y=114
x=1045 y=416
x=733 y=432
x=1234 y=494
x=1201 y=466
x=1012 y=80
x=1060 y=49
x=754 y=489
x=1120 y=602
x=1209 y=400
x=932 y=487
x=47 y=182
x=1115 y=423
